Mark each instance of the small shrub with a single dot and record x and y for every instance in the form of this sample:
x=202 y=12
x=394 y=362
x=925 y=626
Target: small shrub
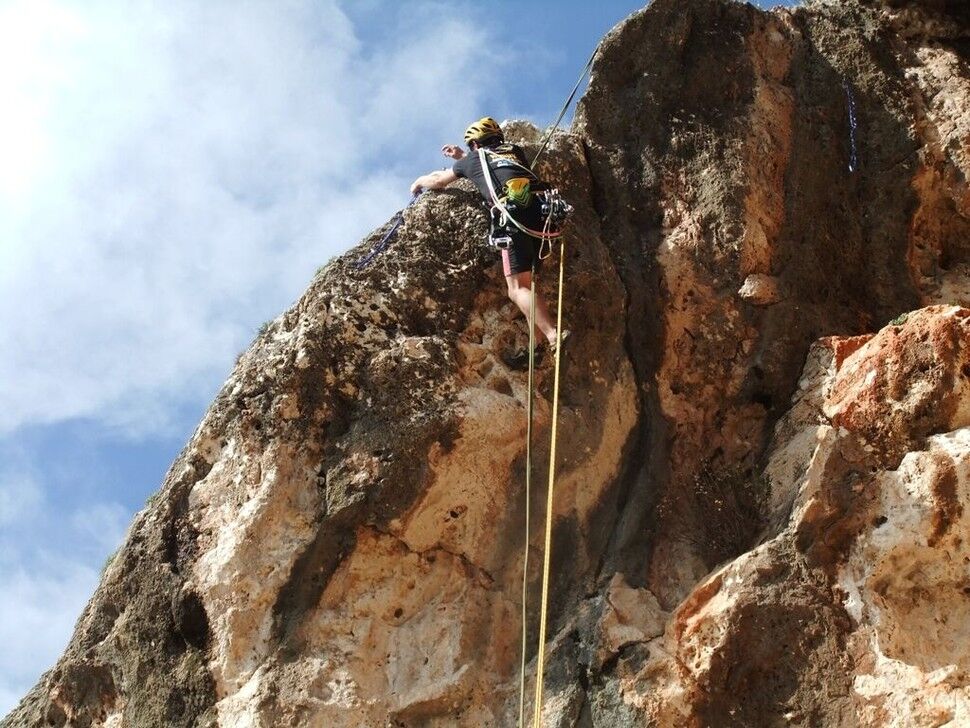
x=109 y=561
x=729 y=505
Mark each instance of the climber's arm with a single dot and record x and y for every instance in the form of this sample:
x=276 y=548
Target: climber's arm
x=433 y=181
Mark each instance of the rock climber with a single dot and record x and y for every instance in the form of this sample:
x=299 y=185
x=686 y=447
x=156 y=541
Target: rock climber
x=507 y=161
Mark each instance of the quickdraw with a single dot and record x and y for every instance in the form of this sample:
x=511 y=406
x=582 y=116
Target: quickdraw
x=853 y=127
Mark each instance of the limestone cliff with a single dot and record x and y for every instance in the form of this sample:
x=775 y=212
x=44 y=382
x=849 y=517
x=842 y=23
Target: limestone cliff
x=764 y=433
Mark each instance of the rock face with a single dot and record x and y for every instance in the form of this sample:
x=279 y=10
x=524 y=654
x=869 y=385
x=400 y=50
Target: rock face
x=855 y=612
x=760 y=505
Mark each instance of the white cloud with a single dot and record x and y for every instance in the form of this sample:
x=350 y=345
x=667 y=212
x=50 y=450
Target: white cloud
x=178 y=171
x=20 y=497
x=101 y=525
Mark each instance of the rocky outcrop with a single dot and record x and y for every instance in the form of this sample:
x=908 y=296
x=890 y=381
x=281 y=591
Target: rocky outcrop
x=759 y=513
x=855 y=612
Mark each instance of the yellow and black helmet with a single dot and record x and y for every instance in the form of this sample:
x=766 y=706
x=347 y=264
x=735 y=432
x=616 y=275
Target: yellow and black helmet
x=484 y=128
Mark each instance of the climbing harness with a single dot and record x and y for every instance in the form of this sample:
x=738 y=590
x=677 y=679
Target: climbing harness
x=853 y=126
x=378 y=249
x=554 y=208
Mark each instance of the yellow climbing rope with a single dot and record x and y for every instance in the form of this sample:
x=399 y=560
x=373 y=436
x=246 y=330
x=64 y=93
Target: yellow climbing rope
x=528 y=485
x=545 y=237
x=547 y=555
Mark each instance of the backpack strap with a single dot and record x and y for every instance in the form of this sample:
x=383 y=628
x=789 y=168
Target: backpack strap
x=490 y=181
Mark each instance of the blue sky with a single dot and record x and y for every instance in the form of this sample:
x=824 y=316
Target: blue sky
x=173 y=175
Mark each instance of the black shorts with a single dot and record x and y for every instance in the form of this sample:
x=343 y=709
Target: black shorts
x=522 y=255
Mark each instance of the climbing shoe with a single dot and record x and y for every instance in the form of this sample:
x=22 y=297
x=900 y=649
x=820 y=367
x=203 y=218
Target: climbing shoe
x=562 y=341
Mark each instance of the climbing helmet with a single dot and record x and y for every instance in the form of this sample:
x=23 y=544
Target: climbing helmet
x=484 y=128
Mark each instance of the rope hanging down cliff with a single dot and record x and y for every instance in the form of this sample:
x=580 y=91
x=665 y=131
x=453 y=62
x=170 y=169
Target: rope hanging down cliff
x=547 y=551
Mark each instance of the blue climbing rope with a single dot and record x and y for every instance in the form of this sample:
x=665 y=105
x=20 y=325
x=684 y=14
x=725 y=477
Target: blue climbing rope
x=853 y=127
x=378 y=249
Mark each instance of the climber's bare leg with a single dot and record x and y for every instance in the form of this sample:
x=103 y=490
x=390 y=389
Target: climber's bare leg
x=519 y=286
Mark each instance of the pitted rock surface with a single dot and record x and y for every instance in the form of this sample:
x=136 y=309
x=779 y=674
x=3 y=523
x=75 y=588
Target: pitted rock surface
x=764 y=436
